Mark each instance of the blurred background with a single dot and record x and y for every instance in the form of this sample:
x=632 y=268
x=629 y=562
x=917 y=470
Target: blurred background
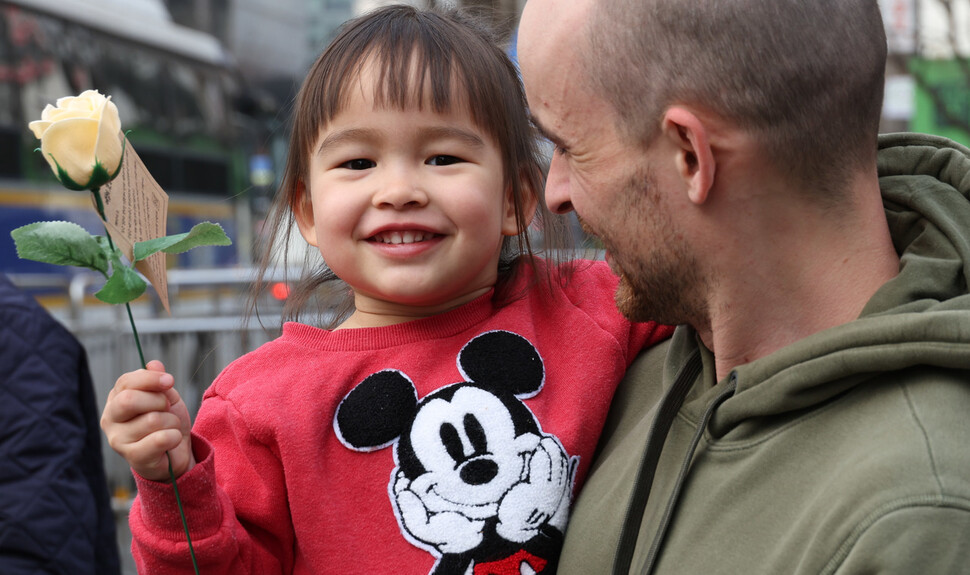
x=205 y=88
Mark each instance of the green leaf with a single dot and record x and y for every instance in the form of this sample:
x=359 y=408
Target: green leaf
x=123 y=286
x=111 y=252
x=204 y=234
x=60 y=243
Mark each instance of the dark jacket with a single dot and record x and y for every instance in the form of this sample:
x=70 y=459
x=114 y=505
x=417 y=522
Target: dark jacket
x=55 y=512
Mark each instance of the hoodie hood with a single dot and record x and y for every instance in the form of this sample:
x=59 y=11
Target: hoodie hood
x=920 y=317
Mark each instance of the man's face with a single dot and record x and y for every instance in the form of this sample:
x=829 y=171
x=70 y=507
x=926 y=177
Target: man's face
x=611 y=181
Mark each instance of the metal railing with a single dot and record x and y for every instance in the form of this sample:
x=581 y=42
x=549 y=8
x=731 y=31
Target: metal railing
x=207 y=330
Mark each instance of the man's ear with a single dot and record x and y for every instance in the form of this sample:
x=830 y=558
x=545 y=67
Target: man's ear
x=510 y=227
x=303 y=214
x=695 y=158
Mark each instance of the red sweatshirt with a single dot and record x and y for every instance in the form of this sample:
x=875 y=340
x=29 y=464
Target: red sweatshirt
x=439 y=445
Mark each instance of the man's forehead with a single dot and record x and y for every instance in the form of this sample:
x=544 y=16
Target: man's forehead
x=548 y=45
x=549 y=58
x=546 y=24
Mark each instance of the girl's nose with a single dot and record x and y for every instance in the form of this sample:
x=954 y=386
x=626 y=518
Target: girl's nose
x=399 y=190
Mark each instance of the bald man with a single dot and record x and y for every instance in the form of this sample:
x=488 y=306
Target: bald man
x=811 y=413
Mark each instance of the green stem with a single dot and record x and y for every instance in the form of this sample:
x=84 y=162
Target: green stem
x=141 y=356
x=134 y=331
x=185 y=524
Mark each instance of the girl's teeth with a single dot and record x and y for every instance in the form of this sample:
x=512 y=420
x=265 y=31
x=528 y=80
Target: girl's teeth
x=407 y=237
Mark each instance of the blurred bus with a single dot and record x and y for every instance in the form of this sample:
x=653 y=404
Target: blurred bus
x=175 y=89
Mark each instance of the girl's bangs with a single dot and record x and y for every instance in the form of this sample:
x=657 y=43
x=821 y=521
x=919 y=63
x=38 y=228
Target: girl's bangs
x=417 y=65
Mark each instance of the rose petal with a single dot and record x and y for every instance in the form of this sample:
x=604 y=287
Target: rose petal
x=45 y=114
x=38 y=127
x=65 y=101
x=93 y=95
x=108 y=148
x=77 y=105
x=110 y=116
x=72 y=144
x=92 y=100
x=59 y=114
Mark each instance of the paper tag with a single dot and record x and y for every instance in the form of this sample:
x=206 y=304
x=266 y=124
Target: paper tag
x=136 y=210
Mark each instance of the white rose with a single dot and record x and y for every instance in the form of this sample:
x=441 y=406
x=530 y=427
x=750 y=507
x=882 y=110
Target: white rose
x=81 y=139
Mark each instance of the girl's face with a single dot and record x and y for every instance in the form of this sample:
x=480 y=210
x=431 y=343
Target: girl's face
x=408 y=207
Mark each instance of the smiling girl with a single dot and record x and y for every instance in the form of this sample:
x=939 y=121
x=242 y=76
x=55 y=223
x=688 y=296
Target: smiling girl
x=445 y=422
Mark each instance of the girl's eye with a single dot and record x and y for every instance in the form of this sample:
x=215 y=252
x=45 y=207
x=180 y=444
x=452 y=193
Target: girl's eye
x=358 y=164
x=443 y=160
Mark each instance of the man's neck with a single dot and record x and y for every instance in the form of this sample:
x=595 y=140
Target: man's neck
x=813 y=274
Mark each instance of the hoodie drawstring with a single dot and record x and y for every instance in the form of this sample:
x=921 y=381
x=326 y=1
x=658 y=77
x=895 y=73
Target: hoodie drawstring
x=666 y=412
x=658 y=539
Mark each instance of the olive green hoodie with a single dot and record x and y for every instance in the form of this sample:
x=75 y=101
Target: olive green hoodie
x=846 y=452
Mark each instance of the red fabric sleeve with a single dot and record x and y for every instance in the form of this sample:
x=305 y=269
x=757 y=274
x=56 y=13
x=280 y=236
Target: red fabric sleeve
x=591 y=288
x=236 y=527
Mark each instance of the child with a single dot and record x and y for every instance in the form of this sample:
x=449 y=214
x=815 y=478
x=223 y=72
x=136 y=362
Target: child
x=442 y=426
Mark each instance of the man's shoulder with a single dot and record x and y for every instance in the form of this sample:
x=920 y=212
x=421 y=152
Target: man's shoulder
x=931 y=410
x=885 y=463
x=643 y=385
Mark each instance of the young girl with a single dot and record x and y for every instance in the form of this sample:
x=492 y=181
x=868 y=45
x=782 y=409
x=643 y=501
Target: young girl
x=444 y=424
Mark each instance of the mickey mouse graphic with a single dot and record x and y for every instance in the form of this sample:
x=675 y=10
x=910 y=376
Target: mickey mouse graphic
x=476 y=483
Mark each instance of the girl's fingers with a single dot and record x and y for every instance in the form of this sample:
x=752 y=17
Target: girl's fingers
x=149 y=456
x=144 y=425
x=146 y=422
x=172 y=396
x=143 y=379
x=149 y=441
x=181 y=458
x=128 y=404
x=155 y=365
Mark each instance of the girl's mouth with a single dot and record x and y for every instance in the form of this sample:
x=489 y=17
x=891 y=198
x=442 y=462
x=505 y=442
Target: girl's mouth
x=403 y=237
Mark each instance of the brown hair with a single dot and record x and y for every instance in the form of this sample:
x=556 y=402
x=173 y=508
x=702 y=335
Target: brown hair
x=806 y=76
x=463 y=65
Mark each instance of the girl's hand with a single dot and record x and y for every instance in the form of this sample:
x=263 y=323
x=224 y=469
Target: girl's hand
x=146 y=422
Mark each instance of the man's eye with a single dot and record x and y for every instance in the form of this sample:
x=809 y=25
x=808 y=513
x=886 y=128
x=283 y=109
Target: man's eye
x=443 y=160
x=559 y=150
x=358 y=164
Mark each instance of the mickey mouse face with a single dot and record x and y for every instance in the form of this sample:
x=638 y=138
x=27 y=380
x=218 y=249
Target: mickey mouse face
x=469 y=450
x=476 y=478
x=464 y=444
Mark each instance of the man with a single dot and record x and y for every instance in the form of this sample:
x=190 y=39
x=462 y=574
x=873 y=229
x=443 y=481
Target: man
x=811 y=415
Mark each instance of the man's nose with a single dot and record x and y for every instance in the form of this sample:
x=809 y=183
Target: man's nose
x=400 y=188
x=558 y=199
